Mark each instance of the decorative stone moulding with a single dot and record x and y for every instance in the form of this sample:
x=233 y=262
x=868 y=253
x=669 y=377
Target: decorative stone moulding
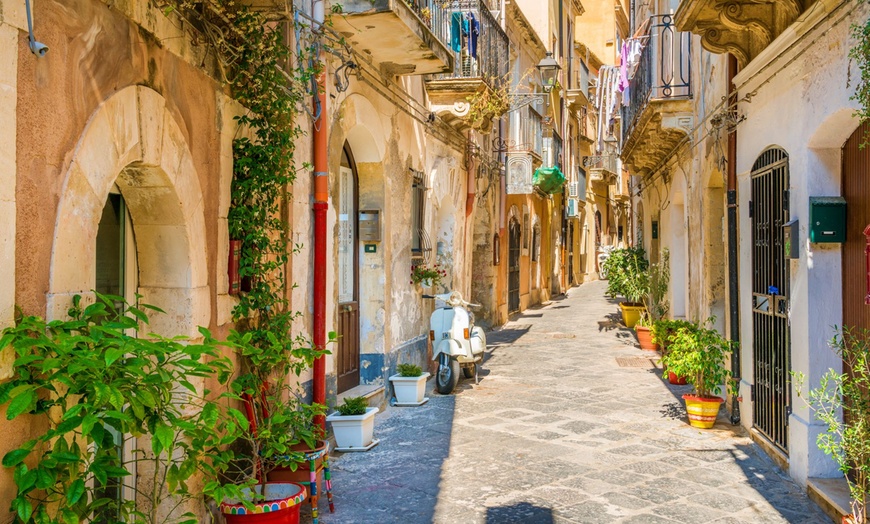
x=519 y=174
x=743 y=28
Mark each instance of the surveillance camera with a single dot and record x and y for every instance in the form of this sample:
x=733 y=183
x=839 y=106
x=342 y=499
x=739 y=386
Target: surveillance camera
x=38 y=48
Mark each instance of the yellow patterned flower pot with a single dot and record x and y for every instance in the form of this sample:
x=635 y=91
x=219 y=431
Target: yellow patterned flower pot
x=702 y=410
x=631 y=313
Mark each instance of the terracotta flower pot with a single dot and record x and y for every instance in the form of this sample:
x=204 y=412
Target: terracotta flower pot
x=644 y=338
x=675 y=380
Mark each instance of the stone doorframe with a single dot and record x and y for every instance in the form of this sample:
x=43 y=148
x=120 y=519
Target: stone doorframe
x=133 y=141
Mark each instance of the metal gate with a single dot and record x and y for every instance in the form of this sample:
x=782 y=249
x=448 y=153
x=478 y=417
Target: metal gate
x=514 y=267
x=769 y=209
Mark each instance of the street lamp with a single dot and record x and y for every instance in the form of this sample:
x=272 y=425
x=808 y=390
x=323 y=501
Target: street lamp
x=549 y=69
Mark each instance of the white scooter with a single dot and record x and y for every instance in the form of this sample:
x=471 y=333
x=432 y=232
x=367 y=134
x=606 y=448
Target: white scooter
x=456 y=343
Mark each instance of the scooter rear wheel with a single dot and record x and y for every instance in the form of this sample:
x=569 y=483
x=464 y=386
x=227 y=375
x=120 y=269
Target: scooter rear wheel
x=448 y=374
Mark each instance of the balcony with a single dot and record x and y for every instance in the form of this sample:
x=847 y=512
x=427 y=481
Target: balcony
x=480 y=67
x=524 y=151
x=659 y=114
x=743 y=28
x=602 y=169
x=402 y=37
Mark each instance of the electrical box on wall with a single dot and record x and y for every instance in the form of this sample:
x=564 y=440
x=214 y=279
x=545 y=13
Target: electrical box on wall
x=655 y=229
x=827 y=219
x=370 y=225
x=791 y=240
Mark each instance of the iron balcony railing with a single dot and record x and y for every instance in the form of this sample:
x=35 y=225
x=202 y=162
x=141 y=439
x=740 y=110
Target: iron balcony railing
x=554 y=151
x=480 y=46
x=664 y=72
x=435 y=15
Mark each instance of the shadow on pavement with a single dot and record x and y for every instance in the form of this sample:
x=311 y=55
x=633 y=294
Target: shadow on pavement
x=522 y=512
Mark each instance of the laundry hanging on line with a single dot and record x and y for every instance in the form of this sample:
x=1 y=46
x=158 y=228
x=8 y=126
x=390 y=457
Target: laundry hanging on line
x=464 y=26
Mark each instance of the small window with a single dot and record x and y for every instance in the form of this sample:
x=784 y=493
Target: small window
x=619 y=233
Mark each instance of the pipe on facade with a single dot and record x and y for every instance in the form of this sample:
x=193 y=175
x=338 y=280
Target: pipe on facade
x=321 y=204
x=733 y=289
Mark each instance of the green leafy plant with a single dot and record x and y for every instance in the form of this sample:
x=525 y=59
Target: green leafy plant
x=487 y=104
x=422 y=272
x=626 y=273
x=663 y=328
x=698 y=353
x=97 y=383
x=353 y=406
x=657 y=282
x=842 y=403
x=409 y=370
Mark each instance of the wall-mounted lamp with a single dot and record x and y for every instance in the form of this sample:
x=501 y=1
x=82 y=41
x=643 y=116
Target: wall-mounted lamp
x=549 y=69
x=37 y=48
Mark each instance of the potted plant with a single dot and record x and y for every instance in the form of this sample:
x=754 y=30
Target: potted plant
x=661 y=330
x=626 y=271
x=409 y=385
x=102 y=387
x=426 y=275
x=698 y=353
x=655 y=301
x=353 y=425
x=842 y=403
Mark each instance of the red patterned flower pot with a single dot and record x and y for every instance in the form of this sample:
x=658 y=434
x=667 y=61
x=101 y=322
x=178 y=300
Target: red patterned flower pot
x=281 y=507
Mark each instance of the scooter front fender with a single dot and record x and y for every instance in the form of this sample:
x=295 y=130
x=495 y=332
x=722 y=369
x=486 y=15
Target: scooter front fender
x=449 y=346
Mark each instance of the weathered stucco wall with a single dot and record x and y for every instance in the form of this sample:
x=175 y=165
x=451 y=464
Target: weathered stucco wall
x=801 y=104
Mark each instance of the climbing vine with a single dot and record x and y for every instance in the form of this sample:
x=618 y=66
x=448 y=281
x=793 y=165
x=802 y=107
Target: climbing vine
x=273 y=82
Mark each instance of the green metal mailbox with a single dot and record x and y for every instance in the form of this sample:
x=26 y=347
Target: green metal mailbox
x=827 y=219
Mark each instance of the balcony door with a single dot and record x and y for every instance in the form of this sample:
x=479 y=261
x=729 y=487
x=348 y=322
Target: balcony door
x=514 y=266
x=347 y=358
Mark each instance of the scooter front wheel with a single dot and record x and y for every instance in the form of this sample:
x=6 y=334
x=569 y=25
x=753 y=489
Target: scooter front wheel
x=448 y=374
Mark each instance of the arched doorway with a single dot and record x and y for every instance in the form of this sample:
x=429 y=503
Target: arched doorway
x=514 y=265
x=856 y=191
x=347 y=362
x=770 y=292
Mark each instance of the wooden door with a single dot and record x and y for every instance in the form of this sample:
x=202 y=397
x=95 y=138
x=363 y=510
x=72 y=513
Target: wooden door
x=856 y=191
x=347 y=359
x=514 y=267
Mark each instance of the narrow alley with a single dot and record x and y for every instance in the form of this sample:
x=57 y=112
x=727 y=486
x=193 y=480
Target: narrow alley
x=570 y=423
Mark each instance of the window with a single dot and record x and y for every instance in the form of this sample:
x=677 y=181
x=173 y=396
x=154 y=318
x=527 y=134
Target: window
x=526 y=229
x=581 y=184
x=116 y=272
x=420 y=245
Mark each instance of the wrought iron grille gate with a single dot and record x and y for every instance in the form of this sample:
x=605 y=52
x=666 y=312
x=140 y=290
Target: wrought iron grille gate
x=769 y=208
x=514 y=267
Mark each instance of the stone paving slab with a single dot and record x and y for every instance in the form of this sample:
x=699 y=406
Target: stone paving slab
x=557 y=432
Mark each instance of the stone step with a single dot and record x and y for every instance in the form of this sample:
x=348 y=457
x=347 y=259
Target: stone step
x=374 y=393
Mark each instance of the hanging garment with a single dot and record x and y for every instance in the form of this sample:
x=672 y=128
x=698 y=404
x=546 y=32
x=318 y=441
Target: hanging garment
x=623 y=67
x=635 y=51
x=456 y=32
x=474 y=33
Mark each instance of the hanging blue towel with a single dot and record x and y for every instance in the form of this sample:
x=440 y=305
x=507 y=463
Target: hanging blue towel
x=456 y=23
x=475 y=32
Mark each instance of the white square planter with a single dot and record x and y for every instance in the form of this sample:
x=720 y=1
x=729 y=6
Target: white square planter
x=410 y=391
x=354 y=432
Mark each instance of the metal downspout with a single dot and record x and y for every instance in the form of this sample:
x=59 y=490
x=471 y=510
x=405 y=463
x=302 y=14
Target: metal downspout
x=321 y=204
x=733 y=289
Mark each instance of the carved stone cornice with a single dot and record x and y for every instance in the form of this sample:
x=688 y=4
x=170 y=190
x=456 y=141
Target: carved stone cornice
x=658 y=131
x=743 y=28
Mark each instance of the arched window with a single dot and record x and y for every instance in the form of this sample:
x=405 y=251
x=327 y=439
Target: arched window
x=536 y=242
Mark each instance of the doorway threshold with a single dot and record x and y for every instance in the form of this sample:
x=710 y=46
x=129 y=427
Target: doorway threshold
x=832 y=495
x=374 y=393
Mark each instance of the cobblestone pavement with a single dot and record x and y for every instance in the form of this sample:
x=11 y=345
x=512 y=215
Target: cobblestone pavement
x=558 y=432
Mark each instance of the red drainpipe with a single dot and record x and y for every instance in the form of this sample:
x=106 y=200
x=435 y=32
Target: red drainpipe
x=321 y=199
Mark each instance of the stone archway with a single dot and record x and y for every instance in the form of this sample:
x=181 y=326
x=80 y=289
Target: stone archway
x=134 y=142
